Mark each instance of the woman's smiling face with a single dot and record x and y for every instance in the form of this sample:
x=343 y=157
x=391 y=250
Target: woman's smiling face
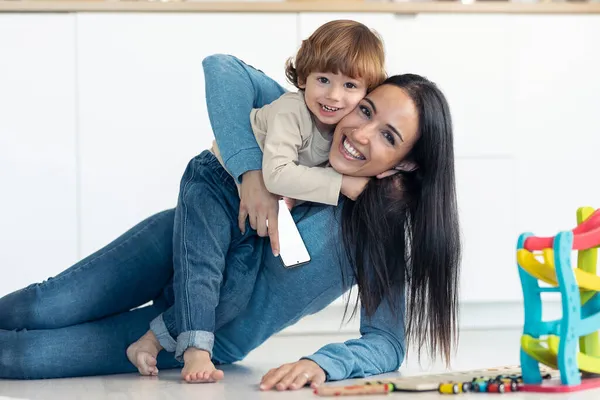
x=377 y=135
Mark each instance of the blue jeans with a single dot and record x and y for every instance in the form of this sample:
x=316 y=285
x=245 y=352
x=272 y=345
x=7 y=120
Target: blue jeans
x=206 y=227
x=207 y=207
x=79 y=323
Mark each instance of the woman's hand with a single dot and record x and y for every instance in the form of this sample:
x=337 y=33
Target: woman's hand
x=259 y=205
x=293 y=376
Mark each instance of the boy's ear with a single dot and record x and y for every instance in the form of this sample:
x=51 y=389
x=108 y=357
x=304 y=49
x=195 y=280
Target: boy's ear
x=407 y=166
x=301 y=83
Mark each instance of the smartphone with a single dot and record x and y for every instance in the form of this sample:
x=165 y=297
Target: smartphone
x=292 y=250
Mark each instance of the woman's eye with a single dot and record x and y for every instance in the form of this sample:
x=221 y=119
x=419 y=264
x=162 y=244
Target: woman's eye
x=323 y=79
x=349 y=85
x=389 y=137
x=365 y=111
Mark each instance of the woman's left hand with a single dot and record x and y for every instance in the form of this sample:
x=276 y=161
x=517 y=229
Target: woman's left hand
x=293 y=376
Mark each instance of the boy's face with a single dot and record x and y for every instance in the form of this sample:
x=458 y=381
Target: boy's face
x=330 y=97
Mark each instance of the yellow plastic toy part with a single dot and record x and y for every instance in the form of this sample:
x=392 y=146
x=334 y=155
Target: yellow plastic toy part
x=529 y=263
x=538 y=352
x=584 y=362
x=546 y=272
x=587 y=261
x=547 y=355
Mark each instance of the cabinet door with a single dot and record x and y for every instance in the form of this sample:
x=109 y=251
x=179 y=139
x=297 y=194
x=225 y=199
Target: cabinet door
x=486 y=191
x=468 y=57
x=556 y=84
x=38 y=232
x=556 y=98
x=142 y=106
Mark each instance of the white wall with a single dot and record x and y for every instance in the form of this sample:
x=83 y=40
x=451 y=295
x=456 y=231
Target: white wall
x=101 y=112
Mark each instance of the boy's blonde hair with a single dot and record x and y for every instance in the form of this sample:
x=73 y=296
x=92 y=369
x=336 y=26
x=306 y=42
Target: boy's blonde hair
x=341 y=46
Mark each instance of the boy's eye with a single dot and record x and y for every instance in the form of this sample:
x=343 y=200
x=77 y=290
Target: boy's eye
x=322 y=79
x=365 y=111
x=349 y=85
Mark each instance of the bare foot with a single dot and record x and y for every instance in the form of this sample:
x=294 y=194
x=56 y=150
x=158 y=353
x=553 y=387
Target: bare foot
x=143 y=353
x=198 y=367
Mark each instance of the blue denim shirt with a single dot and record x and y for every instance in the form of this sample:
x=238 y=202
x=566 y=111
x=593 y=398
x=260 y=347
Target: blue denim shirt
x=281 y=296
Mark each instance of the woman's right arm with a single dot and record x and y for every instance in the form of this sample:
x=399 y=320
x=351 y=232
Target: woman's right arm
x=233 y=89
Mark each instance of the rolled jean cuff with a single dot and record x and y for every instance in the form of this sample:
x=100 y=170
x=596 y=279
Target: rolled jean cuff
x=202 y=340
x=158 y=327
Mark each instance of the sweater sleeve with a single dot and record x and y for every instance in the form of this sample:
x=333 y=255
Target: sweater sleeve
x=233 y=89
x=380 y=349
x=282 y=173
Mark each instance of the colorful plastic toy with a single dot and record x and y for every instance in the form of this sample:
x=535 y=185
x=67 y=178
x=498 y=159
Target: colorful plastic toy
x=554 y=343
x=450 y=388
x=480 y=385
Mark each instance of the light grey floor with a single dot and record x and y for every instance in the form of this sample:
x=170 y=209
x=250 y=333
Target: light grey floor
x=477 y=349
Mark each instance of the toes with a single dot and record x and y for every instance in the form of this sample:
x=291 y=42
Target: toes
x=146 y=370
x=144 y=364
x=143 y=368
x=203 y=376
x=217 y=375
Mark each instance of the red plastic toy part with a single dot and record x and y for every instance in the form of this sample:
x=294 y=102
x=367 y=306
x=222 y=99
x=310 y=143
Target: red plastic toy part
x=585 y=236
x=554 y=386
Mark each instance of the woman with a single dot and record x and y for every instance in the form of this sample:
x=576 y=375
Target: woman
x=80 y=323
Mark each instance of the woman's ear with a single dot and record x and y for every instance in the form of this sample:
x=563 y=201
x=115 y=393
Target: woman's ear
x=406 y=166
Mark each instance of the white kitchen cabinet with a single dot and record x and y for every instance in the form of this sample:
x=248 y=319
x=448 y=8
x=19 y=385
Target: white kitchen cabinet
x=468 y=56
x=100 y=113
x=38 y=209
x=488 y=221
x=556 y=89
x=142 y=113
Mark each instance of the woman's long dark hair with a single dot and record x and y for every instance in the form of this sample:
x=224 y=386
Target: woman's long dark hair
x=402 y=233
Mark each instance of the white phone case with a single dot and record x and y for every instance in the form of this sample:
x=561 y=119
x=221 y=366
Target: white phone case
x=292 y=250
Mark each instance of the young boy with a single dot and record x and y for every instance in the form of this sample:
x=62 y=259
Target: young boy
x=333 y=70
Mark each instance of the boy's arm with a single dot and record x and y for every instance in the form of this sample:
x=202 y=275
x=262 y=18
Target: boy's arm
x=282 y=173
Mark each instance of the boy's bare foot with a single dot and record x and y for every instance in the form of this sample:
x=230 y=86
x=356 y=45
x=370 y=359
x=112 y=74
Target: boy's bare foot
x=198 y=367
x=143 y=353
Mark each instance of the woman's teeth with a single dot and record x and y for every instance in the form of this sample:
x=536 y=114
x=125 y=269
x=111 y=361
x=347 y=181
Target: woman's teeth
x=329 y=109
x=352 y=151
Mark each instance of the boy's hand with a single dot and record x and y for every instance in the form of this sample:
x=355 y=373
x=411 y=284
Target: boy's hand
x=387 y=173
x=290 y=203
x=259 y=205
x=353 y=186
